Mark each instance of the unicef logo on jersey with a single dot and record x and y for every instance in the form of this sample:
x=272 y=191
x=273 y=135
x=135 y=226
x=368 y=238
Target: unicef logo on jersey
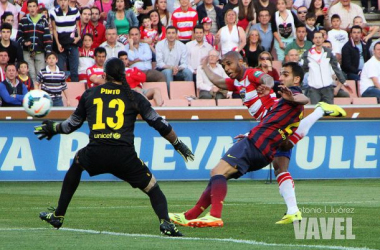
x=257 y=73
x=116 y=136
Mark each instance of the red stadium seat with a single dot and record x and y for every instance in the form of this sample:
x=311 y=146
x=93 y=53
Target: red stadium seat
x=229 y=102
x=74 y=92
x=160 y=85
x=364 y=101
x=353 y=86
x=342 y=101
x=203 y=103
x=176 y=103
x=182 y=90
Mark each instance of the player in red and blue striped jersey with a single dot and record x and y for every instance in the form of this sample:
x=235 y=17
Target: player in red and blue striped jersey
x=216 y=188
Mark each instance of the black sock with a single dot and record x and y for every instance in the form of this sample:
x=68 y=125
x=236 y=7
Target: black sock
x=159 y=204
x=69 y=186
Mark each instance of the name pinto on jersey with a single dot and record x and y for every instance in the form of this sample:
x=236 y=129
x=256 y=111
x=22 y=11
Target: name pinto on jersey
x=110 y=91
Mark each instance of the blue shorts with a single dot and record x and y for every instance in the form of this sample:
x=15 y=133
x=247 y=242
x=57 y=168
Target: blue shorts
x=245 y=157
x=286 y=154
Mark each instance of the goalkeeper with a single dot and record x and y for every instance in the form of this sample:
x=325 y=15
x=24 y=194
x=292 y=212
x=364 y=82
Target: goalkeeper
x=111 y=110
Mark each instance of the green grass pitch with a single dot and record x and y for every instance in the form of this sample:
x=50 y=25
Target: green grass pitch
x=112 y=215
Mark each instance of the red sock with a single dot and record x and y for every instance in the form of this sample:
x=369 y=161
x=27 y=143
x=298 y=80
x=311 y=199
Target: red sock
x=202 y=204
x=218 y=193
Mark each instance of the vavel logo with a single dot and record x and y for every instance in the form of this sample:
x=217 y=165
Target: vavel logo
x=324 y=228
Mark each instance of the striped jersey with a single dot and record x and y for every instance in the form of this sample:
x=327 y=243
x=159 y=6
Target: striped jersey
x=185 y=22
x=281 y=121
x=246 y=87
x=94 y=70
x=65 y=24
x=53 y=82
x=86 y=60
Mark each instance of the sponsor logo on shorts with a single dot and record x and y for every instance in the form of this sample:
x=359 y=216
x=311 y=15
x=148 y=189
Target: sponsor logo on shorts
x=230 y=156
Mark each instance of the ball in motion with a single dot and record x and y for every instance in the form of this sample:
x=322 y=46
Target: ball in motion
x=37 y=103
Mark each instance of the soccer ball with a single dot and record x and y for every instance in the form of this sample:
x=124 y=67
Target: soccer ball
x=37 y=103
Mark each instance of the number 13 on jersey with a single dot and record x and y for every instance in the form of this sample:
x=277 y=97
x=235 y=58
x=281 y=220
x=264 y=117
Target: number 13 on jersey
x=119 y=114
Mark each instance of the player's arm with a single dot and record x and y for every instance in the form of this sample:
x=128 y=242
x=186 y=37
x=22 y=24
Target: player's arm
x=288 y=95
x=164 y=128
x=95 y=79
x=50 y=128
x=217 y=80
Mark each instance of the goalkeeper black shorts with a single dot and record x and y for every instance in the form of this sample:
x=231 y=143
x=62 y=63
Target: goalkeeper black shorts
x=120 y=161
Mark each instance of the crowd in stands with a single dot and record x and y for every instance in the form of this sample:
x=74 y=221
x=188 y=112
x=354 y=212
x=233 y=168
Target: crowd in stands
x=47 y=43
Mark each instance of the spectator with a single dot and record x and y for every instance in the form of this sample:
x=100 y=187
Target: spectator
x=196 y=50
x=246 y=14
x=368 y=31
x=85 y=26
x=231 y=4
x=140 y=56
x=337 y=36
x=374 y=6
x=293 y=56
x=347 y=12
x=99 y=31
x=52 y=80
x=12 y=92
x=86 y=57
x=112 y=46
x=317 y=7
x=264 y=5
x=284 y=24
x=23 y=75
x=122 y=18
x=7 y=6
x=157 y=25
x=184 y=20
x=47 y=4
x=207 y=24
x=35 y=39
x=43 y=11
x=65 y=22
x=135 y=78
x=230 y=37
x=4 y=59
x=207 y=90
x=8 y=17
x=172 y=58
x=253 y=48
x=299 y=3
x=265 y=29
x=148 y=34
x=144 y=10
x=301 y=14
x=317 y=61
x=354 y=54
x=165 y=15
x=213 y=12
x=13 y=48
x=369 y=84
x=310 y=26
x=299 y=43
x=95 y=73
x=105 y=6
x=266 y=65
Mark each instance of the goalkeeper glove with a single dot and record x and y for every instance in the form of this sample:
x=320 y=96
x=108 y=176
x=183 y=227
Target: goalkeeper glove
x=183 y=150
x=48 y=129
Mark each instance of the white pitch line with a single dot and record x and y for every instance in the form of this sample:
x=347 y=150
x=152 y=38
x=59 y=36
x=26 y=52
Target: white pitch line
x=247 y=242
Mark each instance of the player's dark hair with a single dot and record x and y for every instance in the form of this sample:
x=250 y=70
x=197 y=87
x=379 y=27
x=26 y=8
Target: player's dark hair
x=296 y=69
x=233 y=54
x=115 y=72
x=100 y=50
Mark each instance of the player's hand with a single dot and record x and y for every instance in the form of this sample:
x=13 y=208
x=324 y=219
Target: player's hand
x=263 y=90
x=240 y=137
x=183 y=150
x=47 y=130
x=286 y=93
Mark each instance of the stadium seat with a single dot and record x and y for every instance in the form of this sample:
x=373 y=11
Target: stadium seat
x=277 y=65
x=181 y=89
x=176 y=103
x=229 y=102
x=342 y=101
x=160 y=85
x=364 y=101
x=203 y=103
x=354 y=88
x=74 y=92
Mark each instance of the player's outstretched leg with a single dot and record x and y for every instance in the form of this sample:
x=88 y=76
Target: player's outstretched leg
x=160 y=207
x=69 y=186
x=331 y=109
